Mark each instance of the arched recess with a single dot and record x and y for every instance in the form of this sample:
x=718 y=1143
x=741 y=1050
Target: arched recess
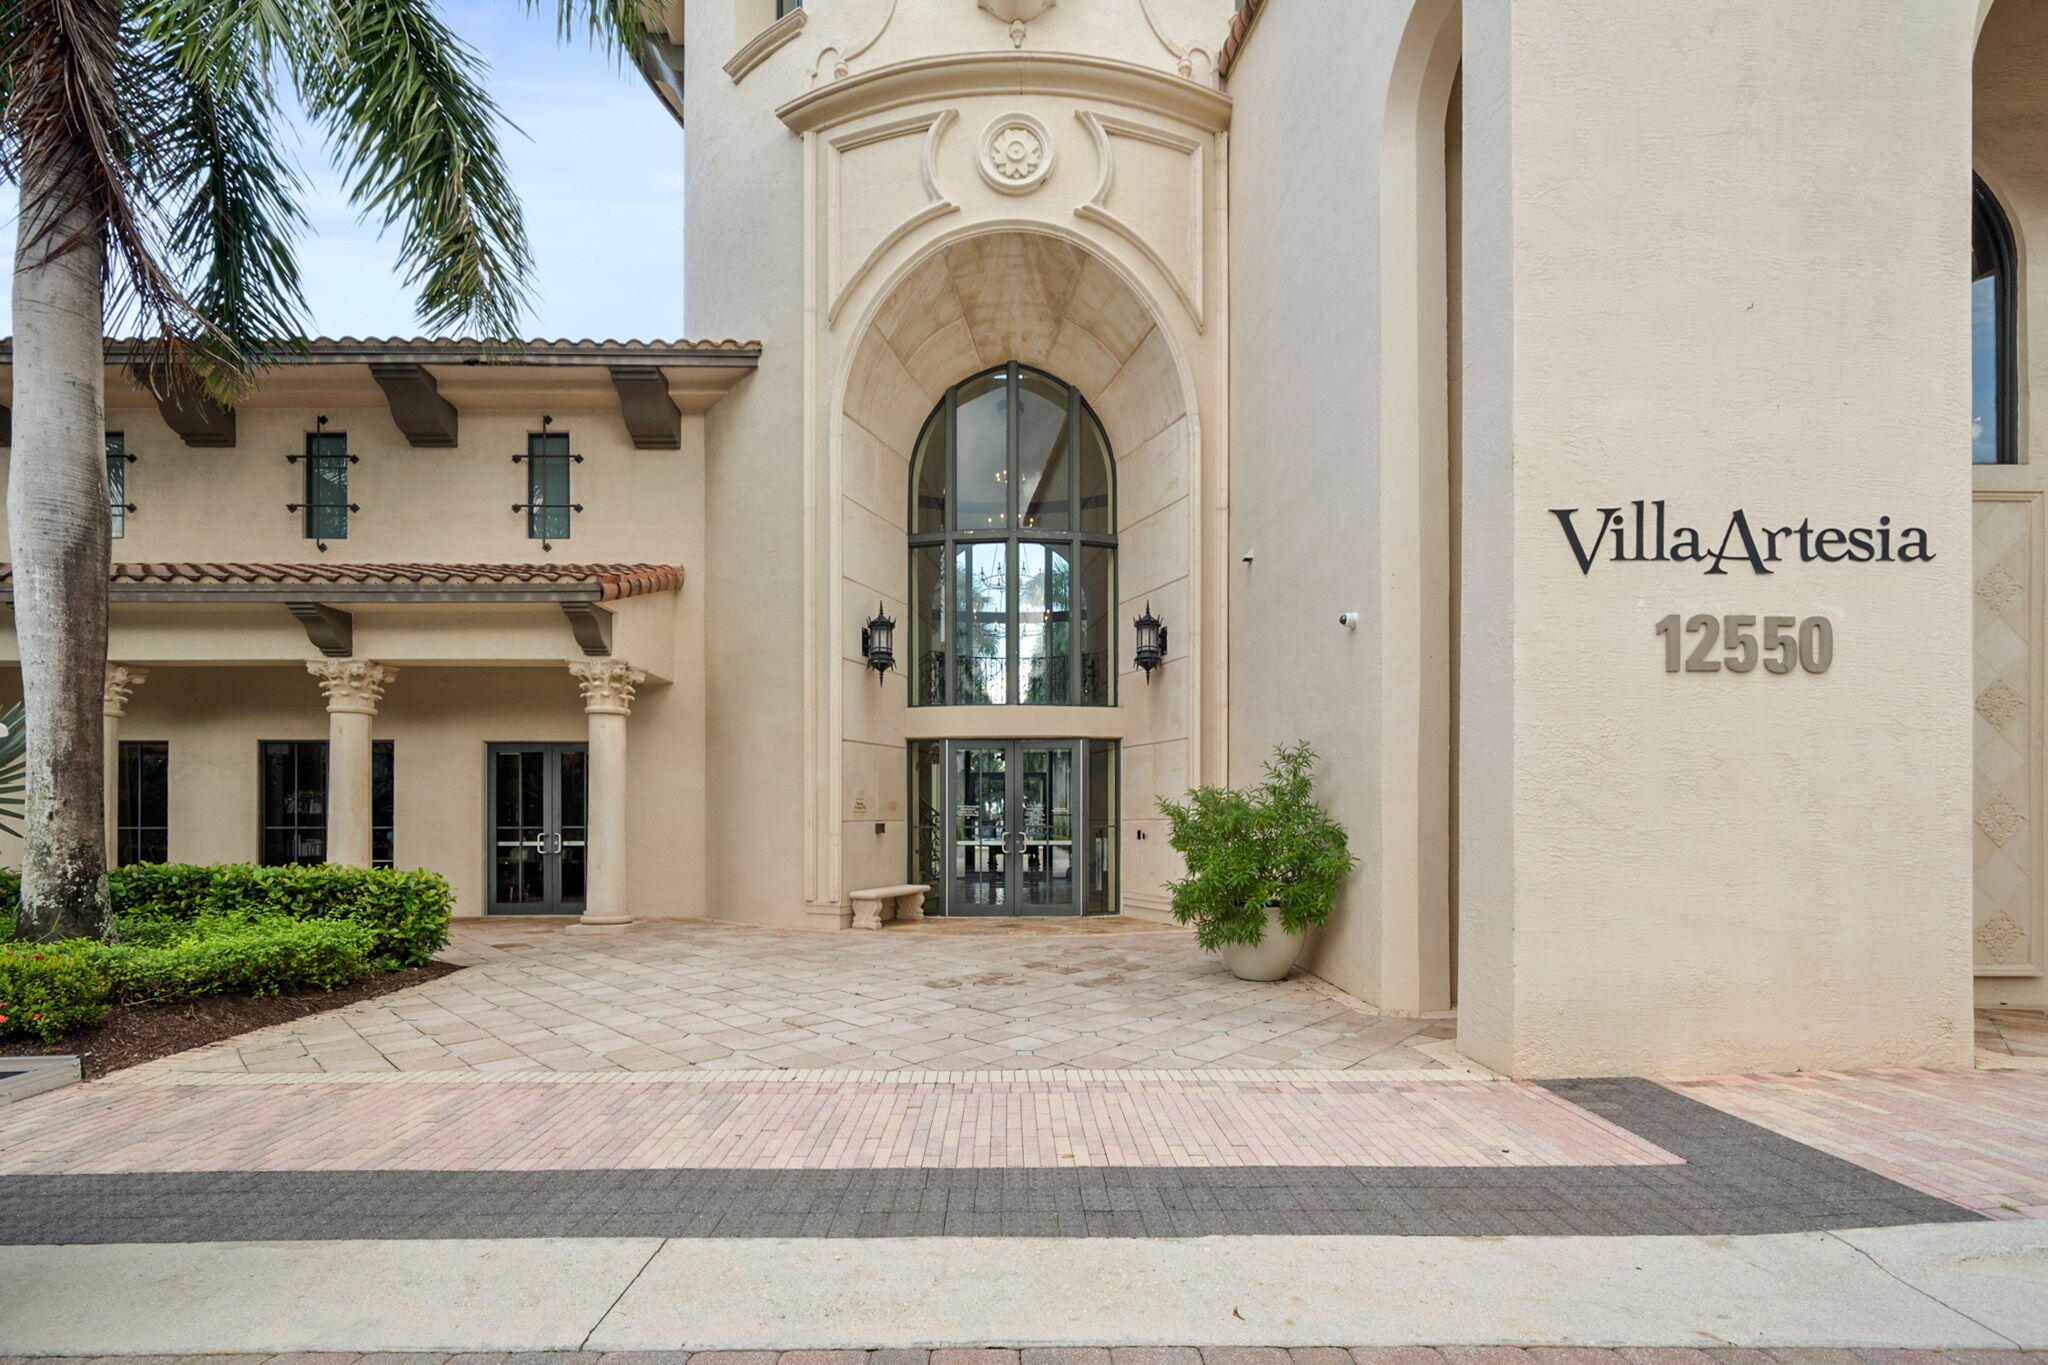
x=1418 y=596
x=2009 y=607
x=992 y=293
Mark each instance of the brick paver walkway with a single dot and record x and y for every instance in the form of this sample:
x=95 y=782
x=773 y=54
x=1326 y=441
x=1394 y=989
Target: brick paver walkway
x=2013 y=1033
x=1106 y=995
x=1977 y=1138
x=799 y=1122
x=1124 y=1355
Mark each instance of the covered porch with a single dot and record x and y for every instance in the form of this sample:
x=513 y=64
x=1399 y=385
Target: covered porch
x=471 y=719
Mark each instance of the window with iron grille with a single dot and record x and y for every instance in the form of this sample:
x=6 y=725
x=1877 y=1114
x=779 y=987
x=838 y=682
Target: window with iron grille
x=548 y=505
x=786 y=7
x=143 y=803
x=118 y=506
x=294 y=777
x=327 y=505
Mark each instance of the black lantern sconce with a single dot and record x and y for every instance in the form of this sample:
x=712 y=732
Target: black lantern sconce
x=878 y=642
x=1151 y=642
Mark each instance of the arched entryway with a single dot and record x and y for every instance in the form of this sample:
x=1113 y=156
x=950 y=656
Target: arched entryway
x=996 y=317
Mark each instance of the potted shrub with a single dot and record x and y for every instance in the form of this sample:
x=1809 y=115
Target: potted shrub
x=1264 y=865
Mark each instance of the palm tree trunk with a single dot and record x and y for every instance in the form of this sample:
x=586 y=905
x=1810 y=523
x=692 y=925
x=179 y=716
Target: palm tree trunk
x=58 y=535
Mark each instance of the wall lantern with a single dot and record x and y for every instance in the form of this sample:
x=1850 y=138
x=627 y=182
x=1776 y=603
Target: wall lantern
x=878 y=642
x=1151 y=642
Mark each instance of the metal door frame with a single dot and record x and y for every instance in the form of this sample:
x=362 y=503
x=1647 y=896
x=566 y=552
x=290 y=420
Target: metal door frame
x=1013 y=751
x=551 y=902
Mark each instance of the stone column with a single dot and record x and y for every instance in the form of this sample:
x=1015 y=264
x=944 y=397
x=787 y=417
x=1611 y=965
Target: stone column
x=121 y=681
x=607 y=700
x=353 y=688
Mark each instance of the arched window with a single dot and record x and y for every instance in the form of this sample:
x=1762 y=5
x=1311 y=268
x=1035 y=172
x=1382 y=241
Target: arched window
x=1013 y=547
x=1994 y=367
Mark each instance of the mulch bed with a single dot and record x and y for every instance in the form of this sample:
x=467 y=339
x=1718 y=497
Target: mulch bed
x=133 y=1034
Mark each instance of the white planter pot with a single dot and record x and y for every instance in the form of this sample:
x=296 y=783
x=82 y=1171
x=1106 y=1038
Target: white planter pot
x=1273 y=958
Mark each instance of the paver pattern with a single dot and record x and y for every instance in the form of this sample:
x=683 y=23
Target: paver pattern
x=2013 y=1033
x=1978 y=1138
x=1103 y=995
x=1001 y=1121
x=1123 y=1355
x=1736 y=1178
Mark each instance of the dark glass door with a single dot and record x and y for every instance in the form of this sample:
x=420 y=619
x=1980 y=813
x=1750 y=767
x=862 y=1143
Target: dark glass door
x=1013 y=827
x=537 y=836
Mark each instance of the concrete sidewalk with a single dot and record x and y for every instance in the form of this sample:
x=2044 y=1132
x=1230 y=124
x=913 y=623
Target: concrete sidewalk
x=1981 y=1286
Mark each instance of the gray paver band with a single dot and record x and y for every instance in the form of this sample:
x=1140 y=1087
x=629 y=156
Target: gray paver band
x=1738 y=1178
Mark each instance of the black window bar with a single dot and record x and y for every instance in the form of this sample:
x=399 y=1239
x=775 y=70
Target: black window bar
x=119 y=457
x=326 y=507
x=548 y=508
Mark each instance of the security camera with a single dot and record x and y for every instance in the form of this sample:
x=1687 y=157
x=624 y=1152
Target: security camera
x=1348 y=620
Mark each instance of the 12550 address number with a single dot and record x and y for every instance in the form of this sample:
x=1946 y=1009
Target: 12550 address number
x=1785 y=642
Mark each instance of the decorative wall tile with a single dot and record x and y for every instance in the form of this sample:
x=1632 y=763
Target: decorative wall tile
x=2007 y=606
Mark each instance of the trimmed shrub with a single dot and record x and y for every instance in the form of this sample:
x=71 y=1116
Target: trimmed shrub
x=406 y=912
x=262 y=956
x=47 y=990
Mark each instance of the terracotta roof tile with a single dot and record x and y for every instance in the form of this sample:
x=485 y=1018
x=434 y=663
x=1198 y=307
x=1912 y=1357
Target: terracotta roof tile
x=615 y=580
x=1240 y=29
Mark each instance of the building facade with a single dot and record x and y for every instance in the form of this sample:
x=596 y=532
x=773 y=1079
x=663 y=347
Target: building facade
x=1555 y=412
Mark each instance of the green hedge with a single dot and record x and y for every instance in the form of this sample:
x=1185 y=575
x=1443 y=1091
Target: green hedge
x=248 y=957
x=406 y=912
x=47 y=991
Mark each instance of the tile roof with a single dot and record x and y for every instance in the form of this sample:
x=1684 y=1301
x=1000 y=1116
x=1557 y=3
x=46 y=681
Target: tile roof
x=614 y=581
x=1240 y=29
x=538 y=350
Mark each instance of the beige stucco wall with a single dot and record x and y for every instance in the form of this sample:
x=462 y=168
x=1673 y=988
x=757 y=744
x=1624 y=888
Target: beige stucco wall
x=1310 y=90
x=809 y=455
x=1727 y=283
x=743 y=252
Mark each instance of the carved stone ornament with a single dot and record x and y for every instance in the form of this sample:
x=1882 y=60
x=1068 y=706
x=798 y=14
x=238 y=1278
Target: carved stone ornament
x=2000 y=820
x=121 y=681
x=2001 y=938
x=352 y=684
x=2000 y=589
x=607 y=685
x=1017 y=11
x=1998 y=704
x=1016 y=154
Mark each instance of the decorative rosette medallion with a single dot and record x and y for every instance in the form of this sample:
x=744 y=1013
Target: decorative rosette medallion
x=1016 y=153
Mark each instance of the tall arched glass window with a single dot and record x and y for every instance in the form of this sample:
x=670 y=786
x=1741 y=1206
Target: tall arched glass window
x=1994 y=366
x=1013 y=547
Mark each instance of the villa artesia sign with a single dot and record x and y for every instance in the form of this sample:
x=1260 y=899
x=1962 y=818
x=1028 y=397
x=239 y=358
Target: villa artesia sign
x=1641 y=533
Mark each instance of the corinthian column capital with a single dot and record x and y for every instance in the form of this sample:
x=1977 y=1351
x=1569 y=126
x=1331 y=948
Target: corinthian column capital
x=352 y=685
x=607 y=685
x=121 y=681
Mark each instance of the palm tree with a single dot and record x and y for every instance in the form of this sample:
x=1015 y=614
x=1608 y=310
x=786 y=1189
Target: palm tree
x=142 y=135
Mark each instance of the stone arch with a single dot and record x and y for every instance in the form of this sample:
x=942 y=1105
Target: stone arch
x=1418 y=573
x=1050 y=299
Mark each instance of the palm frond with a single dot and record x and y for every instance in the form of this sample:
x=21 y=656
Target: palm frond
x=234 y=210
x=70 y=132
x=13 y=768
x=405 y=107
x=620 y=25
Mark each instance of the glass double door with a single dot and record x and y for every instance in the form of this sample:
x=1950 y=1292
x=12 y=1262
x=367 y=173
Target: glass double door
x=1016 y=827
x=538 y=840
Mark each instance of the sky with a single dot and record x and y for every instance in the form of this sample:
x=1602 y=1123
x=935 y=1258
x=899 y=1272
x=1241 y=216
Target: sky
x=599 y=168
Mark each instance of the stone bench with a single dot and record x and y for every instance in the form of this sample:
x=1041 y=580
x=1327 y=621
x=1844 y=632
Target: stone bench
x=905 y=902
